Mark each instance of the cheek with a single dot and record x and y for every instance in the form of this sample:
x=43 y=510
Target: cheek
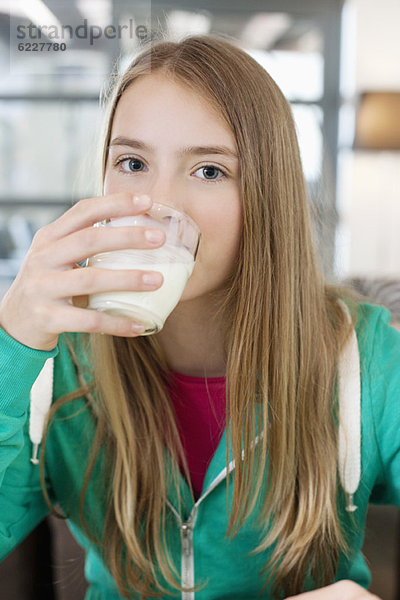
x=221 y=236
x=115 y=182
x=111 y=185
x=229 y=227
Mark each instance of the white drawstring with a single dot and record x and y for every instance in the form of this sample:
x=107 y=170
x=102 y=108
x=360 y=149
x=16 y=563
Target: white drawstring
x=41 y=397
x=349 y=389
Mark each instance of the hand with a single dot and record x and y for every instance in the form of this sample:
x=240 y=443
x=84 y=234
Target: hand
x=39 y=304
x=341 y=590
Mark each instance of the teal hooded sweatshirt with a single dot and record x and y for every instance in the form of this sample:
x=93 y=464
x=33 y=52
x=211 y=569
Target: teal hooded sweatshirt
x=196 y=534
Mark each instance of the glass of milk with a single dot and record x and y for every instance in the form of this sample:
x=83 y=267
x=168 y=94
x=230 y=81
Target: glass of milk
x=175 y=260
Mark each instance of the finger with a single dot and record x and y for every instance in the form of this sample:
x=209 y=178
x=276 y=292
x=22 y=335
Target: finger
x=86 y=243
x=71 y=319
x=341 y=590
x=89 y=211
x=326 y=593
x=92 y=280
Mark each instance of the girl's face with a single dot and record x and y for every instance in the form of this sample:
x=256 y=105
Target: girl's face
x=170 y=143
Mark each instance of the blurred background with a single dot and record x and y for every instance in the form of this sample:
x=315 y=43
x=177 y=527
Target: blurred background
x=338 y=63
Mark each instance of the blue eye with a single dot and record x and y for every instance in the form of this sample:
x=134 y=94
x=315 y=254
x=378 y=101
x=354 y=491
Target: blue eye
x=134 y=164
x=210 y=173
x=130 y=164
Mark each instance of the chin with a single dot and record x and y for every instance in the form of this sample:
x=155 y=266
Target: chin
x=189 y=293
x=202 y=291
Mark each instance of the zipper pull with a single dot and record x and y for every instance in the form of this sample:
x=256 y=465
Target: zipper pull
x=186 y=534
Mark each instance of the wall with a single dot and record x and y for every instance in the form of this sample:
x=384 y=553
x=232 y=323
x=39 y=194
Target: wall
x=368 y=241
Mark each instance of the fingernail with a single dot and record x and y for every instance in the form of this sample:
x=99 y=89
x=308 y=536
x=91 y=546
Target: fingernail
x=154 y=235
x=152 y=279
x=142 y=201
x=137 y=328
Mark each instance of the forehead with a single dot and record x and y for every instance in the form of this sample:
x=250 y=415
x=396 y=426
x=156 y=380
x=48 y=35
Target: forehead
x=157 y=102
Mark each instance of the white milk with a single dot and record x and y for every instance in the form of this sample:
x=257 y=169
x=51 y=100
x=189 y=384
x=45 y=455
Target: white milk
x=151 y=307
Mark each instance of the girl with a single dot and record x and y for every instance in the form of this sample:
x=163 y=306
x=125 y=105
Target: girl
x=221 y=457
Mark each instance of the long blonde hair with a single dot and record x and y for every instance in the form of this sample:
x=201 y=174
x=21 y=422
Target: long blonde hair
x=283 y=331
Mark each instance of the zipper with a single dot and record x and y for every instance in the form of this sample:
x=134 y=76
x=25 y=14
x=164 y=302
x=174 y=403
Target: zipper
x=186 y=530
x=187 y=559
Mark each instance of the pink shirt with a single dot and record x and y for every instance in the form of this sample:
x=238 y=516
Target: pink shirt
x=201 y=420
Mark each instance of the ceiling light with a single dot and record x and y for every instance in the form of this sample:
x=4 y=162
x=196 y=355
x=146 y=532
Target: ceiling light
x=182 y=23
x=264 y=29
x=95 y=11
x=37 y=12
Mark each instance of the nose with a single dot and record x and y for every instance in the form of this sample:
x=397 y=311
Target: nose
x=164 y=189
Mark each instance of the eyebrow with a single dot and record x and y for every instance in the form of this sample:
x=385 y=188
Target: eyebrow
x=189 y=150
